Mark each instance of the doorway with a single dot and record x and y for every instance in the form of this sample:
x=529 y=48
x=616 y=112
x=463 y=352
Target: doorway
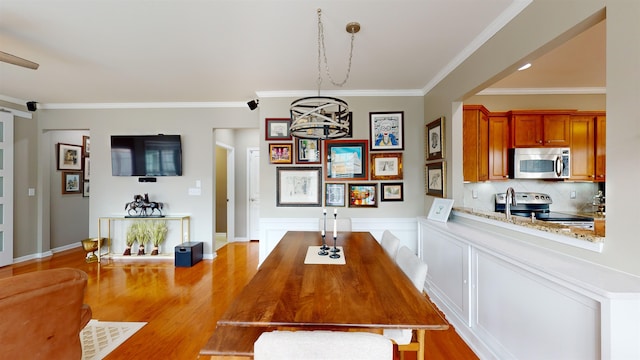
x=225 y=180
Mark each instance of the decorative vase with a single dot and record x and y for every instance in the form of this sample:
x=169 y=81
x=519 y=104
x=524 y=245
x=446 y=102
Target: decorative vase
x=141 y=250
x=127 y=251
x=154 y=251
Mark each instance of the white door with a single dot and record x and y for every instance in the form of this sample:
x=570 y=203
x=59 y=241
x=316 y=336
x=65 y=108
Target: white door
x=253 y=176
x=6 y=188
x=231 y=191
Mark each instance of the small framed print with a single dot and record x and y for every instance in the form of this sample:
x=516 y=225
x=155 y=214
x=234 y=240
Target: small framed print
x=277 y=129
x=86 y=146
x=386 y=166
x=299 y=186
x=85 y=190
x=346 y=159
x=392 y=192
x=334 y=194
x=386 y=131
x=308 y=151
x=435 y=178
x=434 y=133
x=280 y=153
x=87 y=168
x=71 y=182
x=363 y=195
x=440 y=210
x=69 y=157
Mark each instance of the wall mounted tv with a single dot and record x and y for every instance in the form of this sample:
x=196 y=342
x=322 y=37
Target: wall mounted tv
x=146 y=155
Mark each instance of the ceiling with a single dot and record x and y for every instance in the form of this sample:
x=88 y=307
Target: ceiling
x=141 y=51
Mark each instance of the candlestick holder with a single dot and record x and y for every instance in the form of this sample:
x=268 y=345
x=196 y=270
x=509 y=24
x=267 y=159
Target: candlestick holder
x=335 y=250
x=323 y=249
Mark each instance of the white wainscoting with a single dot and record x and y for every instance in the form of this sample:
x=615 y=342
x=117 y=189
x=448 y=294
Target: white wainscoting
x=273 y=229
x=513 y=300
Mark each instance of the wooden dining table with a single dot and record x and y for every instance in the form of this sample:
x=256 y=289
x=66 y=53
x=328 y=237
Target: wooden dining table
x=363 y=290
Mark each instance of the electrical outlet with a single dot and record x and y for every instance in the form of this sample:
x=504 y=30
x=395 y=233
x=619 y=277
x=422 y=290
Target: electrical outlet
x=474 y=194
x=572 y=195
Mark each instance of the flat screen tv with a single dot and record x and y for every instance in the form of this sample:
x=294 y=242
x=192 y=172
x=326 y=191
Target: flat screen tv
x=146 y=155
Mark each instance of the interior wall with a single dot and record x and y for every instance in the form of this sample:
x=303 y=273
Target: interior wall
x=413 y=158
x=69 y=212
x=109 y=194
x=502 y=54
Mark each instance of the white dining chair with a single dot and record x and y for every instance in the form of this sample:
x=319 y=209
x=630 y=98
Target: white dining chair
x=322 y=344
x=342 y=224
x=390 y=244
x=416 y=271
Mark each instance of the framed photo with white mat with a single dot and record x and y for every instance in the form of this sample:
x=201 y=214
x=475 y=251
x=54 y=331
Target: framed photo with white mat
x=440 y=209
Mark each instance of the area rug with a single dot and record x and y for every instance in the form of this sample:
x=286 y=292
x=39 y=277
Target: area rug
x=99 y=338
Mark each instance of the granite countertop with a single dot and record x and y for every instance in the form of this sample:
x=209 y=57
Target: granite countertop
x=578 y=233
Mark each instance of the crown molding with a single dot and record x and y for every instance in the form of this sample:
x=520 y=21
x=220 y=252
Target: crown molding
x=345 y=93
x=544 y=91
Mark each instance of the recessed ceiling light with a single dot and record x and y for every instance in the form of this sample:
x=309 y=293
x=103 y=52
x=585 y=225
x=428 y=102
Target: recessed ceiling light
x=524 y=67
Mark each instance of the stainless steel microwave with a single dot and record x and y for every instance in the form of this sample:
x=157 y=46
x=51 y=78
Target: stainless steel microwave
x=540 y=163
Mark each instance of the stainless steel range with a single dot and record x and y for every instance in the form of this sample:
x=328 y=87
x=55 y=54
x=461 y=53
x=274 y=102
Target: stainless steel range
x=536 y=206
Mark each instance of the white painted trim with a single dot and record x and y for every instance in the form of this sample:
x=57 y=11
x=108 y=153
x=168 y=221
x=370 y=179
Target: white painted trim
x=363 y=93
x=33 y=257
x=544 y=91
x=148 y=105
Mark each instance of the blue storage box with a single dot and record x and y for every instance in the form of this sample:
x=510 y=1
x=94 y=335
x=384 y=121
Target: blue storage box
x=188 y=254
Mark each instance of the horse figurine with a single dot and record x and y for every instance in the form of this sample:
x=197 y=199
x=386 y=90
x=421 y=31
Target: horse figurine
x=141 y=206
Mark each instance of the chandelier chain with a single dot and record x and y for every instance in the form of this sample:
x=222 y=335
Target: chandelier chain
x=322 y=54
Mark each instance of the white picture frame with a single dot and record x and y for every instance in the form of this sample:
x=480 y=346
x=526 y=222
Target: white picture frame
x=440 y=209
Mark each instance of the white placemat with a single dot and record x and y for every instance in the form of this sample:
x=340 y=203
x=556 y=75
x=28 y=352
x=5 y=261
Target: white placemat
x=313 y=257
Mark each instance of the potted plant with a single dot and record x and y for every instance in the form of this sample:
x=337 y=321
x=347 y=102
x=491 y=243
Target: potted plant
x=159 y=231
x=132 y=235
x=144 y=235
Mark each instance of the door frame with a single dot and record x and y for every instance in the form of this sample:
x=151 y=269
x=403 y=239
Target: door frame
x=250 y=175
x=230 y=190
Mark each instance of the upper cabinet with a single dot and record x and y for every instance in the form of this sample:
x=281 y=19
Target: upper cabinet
x=488 y=136
x=540 y=128
x=588 y=146
x=475 y=143
x=601 y=145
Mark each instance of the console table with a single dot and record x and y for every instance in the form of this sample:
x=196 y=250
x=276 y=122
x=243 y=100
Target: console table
x=183 y=235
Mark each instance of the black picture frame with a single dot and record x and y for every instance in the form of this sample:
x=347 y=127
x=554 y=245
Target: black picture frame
x=436 y=179
x=308 y=151
x=346 y=159
x=392 y=191
x=363 y=195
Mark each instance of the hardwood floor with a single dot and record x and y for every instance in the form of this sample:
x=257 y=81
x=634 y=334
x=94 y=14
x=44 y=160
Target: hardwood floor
x=181 y=305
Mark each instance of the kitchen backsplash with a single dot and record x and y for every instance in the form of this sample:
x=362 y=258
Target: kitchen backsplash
x=480 y=196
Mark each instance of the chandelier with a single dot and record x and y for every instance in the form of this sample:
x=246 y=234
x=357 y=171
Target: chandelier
x=323 y=117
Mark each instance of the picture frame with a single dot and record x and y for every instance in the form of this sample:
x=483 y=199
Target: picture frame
x=392 y=191
x=308 y=151
x=277 y=129
x=435 y=179
x=86 y=145
x=386 y=166
x=280 y=153
x=298 y=186
x=363 y=195
x=346 y=159
x=71 y=182
x=85 y=189
x=440 y=210
x=334 y=194
x=434 y=139
x=69 y=157
x=386 y=131
x=86 y=168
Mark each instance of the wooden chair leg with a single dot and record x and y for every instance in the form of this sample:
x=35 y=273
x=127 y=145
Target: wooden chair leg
x=421 y=334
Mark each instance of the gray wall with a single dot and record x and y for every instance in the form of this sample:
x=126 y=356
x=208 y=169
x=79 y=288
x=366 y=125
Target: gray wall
x=413 y=158
x=502 y=54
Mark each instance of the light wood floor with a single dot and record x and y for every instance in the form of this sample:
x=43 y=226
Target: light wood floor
x=180 y=304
